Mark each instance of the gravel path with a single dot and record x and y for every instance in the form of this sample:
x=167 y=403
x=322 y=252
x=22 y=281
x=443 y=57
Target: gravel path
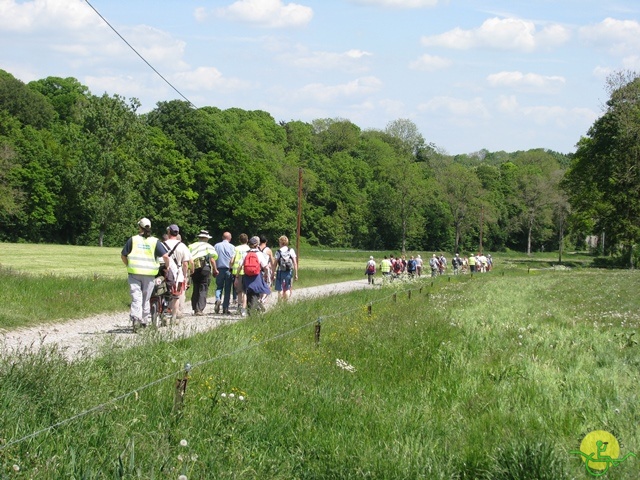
x=76 y=338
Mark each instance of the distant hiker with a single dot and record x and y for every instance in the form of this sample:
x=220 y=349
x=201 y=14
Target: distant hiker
x=419 y=264
x=204 y=258
x=434 y=263
x=139 y=255
x=386 y=267
x=370 y=270
x=224 y=281
x=180 y=256
x=457 y=264
x=253 y=265
x=411 y=266
x=287 y=268
x=237 y=272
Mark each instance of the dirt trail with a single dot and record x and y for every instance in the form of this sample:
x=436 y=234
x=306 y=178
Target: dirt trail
x=79 y=337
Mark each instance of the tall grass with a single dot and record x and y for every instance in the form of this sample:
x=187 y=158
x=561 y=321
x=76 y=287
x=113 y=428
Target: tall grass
x=490 y=377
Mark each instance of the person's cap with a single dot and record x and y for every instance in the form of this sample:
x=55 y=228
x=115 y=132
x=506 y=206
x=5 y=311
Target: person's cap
x=204 y=234
x=371 y=258
x=457 y=254
x=173 y=229
x=434 y=254
x=144 y=223
x=255 y=241
x=419 y=256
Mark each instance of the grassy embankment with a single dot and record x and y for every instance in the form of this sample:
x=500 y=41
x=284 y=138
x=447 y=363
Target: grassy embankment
x=495 y=376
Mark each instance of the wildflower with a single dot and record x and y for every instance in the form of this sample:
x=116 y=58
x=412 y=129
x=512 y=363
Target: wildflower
x=223 y=395
x=194 y=457
x=232 y=395
x=180 y=458
x=345 y=366
x=617 y=410
x=182 y=477
x=241 y=398
x=183 y=443
x=16 y=468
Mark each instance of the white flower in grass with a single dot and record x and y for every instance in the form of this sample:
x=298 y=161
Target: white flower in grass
x=617 y=410
x=241 y=398
x=232 y=395
x=182 y=477
x=223 y=395
x=345 y=366
x=16 y=468
x=183 y=442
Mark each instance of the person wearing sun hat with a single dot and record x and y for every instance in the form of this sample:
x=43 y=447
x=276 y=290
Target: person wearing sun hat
x=204 y=258
x=139 y=255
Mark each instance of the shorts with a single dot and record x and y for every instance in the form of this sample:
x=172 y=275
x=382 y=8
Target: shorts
x=283 y=279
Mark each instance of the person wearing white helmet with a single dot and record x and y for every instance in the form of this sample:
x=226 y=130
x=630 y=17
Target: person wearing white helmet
x=140 y=255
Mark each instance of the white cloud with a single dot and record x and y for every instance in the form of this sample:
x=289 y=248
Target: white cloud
x=325 y=93
x=501 y=34
x=399 y=3
x=430 y=63
x=508 y=104
x=631 y=62
x=208 y=78
x=557 y=116
x=46 y=14
x=456 y=106
x=266 y=13
x=619 y=37
x=526 y=81
x=349 y=60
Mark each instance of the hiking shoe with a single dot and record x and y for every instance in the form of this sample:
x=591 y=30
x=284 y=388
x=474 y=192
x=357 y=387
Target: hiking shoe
x=217 y=307
x=226 y=312
x=199 y=314
x=243 y=312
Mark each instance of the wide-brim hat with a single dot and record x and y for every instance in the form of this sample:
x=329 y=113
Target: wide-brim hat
x=204 y=234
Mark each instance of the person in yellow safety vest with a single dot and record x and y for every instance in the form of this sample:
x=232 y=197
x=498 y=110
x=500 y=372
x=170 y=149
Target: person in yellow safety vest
x=139 y=255
x=472 y=263
x=204 y=258
x=385 y=267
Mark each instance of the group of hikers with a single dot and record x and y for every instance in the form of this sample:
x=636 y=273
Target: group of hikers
x=395 y=267
x=244 y=274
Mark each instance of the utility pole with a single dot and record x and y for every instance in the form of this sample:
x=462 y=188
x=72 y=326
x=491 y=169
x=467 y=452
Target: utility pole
x=299 y=213
x=481 y=226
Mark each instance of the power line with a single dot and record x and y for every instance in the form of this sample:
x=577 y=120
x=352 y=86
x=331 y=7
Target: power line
x=139 y=55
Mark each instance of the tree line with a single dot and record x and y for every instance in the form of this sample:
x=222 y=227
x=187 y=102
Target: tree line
x=78 y=168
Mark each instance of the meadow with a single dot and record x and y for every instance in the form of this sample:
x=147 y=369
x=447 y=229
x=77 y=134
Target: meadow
x=492 y=376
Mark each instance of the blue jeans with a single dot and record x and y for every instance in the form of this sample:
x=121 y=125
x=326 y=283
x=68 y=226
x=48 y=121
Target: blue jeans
x=224 y=283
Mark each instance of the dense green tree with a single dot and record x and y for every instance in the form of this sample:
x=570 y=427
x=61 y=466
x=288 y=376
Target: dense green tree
x=604 y=178
x=30 y=107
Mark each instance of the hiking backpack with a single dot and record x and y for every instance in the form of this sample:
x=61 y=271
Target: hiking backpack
x=285 y=262
x=252 y=264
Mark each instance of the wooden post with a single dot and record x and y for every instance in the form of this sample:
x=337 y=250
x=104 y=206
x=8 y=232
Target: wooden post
x=369 y=309
x=395 y=297
x=409 y=295
x=317 y=332
x=181 y=389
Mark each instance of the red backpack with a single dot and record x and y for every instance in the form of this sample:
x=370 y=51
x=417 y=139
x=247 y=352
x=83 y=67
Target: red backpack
x=252 y=264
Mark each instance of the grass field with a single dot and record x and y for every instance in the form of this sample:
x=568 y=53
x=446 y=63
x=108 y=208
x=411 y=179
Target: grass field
x=495 y=376
x=52 y=283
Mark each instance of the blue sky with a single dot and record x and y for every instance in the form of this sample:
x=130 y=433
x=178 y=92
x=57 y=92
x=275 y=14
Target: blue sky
x=499 y=74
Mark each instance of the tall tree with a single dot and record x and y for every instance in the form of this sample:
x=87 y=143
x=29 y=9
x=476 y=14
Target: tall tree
x=604 y=178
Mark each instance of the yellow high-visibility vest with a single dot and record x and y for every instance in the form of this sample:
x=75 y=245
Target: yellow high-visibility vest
x=142 y=259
